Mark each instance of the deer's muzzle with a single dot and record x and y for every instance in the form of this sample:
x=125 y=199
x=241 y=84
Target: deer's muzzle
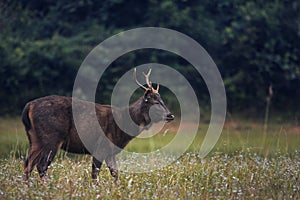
x=169 y=117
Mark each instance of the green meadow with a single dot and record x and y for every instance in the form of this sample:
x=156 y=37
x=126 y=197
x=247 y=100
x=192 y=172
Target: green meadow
x=248 y=162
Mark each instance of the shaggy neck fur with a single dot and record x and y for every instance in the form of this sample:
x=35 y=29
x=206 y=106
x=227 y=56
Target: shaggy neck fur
x=139 y=113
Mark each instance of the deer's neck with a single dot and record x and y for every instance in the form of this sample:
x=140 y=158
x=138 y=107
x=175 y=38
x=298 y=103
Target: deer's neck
x=139 y=113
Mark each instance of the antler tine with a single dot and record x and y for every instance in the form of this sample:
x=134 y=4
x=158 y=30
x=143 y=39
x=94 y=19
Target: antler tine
x=134 y=76
x=157 y=88
x=147 y=78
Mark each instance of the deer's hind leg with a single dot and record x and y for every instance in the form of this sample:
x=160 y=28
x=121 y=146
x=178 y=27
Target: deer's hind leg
x=46 y=157
x=31 y=160
x=34 y=154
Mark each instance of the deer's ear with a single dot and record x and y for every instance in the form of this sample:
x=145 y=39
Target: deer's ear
x=146 y=95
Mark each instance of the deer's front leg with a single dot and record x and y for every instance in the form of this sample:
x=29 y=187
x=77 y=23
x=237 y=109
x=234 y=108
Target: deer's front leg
x=96 y=166
x=112 y=166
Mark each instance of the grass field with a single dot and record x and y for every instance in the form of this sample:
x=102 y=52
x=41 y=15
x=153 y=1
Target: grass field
x=247 y=163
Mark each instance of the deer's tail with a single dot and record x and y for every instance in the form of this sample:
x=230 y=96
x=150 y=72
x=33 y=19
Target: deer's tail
x=27 y=117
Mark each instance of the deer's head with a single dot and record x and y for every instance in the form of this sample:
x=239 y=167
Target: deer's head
x=153 y=107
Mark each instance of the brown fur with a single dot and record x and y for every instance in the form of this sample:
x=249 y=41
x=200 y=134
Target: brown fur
x=50 y=126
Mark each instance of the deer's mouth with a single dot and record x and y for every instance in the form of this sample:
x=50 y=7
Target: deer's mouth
x=169 y=117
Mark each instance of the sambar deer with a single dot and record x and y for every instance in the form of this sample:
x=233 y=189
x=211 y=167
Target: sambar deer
x=50 y=126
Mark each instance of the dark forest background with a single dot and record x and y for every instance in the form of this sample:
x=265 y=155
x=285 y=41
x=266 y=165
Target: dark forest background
x=255 y=44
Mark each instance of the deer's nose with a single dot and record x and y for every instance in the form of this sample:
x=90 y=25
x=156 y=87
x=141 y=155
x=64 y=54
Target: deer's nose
x=170 y=117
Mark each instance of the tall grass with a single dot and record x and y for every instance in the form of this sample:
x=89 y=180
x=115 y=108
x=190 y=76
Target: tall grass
x=242 y=176
x=241 y=166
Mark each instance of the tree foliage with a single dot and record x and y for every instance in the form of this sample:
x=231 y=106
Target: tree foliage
x=254 y=43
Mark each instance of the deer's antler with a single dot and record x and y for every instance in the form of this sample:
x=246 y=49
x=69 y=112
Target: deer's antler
x=134 y=76
x=156 y=90
x=147 y=78
x=147 y=81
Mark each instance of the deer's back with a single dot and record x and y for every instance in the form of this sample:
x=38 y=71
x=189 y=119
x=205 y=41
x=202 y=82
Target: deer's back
x=51 y=119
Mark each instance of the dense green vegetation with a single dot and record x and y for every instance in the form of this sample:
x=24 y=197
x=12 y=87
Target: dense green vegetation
x=254 y=43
